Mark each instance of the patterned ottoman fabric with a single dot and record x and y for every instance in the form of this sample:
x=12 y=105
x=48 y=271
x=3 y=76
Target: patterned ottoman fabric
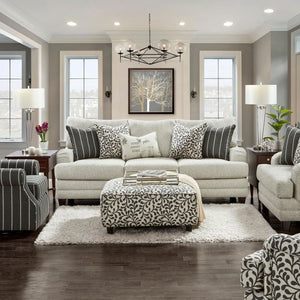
x=147 y=205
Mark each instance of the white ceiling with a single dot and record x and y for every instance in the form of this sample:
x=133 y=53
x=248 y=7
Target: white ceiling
x=204 y=18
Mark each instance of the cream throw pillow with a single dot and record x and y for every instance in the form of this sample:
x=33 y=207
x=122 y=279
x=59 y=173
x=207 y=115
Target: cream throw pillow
x=139 y=146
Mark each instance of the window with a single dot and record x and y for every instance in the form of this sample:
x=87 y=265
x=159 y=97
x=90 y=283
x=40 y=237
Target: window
x=82 y=100
x=221 y=86
x=11 y=77
x=81 y=84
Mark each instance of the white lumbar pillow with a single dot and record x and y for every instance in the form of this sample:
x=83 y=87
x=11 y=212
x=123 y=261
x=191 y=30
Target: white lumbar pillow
x=139 y=146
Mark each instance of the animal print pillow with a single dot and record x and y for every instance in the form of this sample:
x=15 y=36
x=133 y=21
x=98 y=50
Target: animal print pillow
x=187 y=142
x=109 y=140
x=297 y=154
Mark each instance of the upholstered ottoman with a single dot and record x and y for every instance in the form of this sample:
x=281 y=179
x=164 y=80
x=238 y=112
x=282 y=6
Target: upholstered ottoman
x=147 y=205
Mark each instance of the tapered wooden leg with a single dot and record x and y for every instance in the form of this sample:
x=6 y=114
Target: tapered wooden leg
x=265 y=212
x=251 y=193
x=110 y=230
x=232 y=200
x=188 y=227
x=242 y=199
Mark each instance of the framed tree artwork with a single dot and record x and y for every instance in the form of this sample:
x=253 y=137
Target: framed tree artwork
x=150 y=91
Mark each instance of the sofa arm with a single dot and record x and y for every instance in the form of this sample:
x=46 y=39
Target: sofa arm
x=296 y=180
x=252 y=271
x=238 y=154
x=289 y=244
x=12 y=177
x=31 y=166
x=276 y=159
x=65 y=156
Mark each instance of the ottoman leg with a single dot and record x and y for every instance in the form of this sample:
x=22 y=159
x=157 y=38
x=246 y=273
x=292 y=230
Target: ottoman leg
x=188 y=228
x=110 y=230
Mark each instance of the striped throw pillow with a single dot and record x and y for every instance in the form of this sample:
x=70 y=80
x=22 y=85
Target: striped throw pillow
x=85 y=142
x=216 y=143
x=289 y=146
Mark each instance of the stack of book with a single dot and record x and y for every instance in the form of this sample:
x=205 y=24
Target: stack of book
x=151 y=177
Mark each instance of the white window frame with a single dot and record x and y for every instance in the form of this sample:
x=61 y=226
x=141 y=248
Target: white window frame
x=22 y=56
x=64 y=56
x=237 y=57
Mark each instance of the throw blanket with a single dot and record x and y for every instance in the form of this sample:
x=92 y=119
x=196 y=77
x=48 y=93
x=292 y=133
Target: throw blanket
x=192 y=182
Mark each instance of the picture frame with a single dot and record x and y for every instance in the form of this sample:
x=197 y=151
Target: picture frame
x=151 y=91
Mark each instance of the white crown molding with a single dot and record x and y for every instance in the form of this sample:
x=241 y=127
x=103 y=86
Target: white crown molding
x=16 y=15
x=62 y=38
x=218 y=39
x=294 y=22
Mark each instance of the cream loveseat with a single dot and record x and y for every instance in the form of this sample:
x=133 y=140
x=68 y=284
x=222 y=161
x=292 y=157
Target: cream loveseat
x=84 y=179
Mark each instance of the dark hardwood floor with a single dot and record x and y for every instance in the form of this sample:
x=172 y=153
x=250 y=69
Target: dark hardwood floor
x=196 y=271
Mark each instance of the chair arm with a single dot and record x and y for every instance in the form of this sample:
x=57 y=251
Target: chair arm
x=12 y=177
x=64 y=156
x=252 y=270
x=289 y=244
x=276 y=158
x=296 y=180
x=31 y=166
x=238 y=154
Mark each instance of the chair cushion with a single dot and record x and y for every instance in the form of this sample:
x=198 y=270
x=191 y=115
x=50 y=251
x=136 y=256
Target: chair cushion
x=85 y=142
x=212 y=168
x=276 y=178
x=289 y=146
x=38 y=185
x=151 y=163
x=90 y=169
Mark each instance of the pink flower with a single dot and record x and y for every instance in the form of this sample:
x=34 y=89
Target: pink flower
x=45 y=126
x=38 y=129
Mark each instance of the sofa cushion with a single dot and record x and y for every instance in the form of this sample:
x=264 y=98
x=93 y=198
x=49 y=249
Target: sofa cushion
x=37 y=184
x=85 y=142
x=187 y=142
x=151 y=163
x=163 y=129
x=212 y=168
x=277 y=178
x=290 y=144
x=216 y=143
x=139 y=146
x=90 y=169
x=109 y=140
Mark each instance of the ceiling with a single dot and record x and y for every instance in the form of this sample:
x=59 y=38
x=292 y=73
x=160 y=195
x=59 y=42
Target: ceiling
x=204 y=18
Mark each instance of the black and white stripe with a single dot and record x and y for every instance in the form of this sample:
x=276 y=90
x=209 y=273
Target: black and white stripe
x=290 y=145
x=216 y=143
x=85 y=142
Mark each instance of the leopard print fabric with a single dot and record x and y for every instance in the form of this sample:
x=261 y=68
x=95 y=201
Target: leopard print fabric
x=187 y=142
x=109 y=140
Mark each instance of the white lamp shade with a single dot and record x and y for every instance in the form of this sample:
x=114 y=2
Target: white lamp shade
x=29 y=98
x=261 y=94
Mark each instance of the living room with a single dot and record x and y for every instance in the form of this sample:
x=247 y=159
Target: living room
x=86 y=85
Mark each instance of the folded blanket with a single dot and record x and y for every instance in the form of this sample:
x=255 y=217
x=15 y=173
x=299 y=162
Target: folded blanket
x=192 y=182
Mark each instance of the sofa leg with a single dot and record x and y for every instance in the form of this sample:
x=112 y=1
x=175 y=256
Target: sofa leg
x=232 y=200
x=285 y=226
x=62 y=202
x=242 y=199
x=265 y=212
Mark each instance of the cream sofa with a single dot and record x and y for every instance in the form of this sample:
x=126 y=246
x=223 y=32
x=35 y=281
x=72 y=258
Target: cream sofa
x=84 y=179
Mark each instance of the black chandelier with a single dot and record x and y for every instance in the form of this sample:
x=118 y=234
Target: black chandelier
x=151 y=55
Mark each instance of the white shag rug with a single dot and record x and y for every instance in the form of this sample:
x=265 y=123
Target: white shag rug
x=224 y=223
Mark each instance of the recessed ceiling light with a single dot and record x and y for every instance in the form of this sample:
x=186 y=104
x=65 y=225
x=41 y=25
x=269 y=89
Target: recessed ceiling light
x=268 y=10
x=228 y=23
x=117 y=23
x=71 y=23
x=181 y=23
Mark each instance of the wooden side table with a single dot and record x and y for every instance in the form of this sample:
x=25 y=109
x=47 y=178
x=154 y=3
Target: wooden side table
x=47 y=163
x=255 y=158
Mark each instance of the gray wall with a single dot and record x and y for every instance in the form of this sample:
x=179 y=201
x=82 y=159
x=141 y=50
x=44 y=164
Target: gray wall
x=6 y=148
x=247 y=77
x=54 y=82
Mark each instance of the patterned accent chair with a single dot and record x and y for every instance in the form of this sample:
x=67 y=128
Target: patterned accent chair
x=24 y=199
x=274 y=272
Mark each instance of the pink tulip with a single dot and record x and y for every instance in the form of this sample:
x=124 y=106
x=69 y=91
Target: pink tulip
x=38 y=129
x=45 y=126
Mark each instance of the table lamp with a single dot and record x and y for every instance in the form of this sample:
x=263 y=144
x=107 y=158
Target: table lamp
x=260 y=95
x=29 y=99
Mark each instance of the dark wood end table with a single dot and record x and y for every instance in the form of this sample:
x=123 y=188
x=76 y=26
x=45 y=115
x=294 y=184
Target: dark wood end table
x=255 y=158
x=47 y=163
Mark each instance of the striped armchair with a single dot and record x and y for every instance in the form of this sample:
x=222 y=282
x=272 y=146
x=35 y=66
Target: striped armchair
x=24 y=203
